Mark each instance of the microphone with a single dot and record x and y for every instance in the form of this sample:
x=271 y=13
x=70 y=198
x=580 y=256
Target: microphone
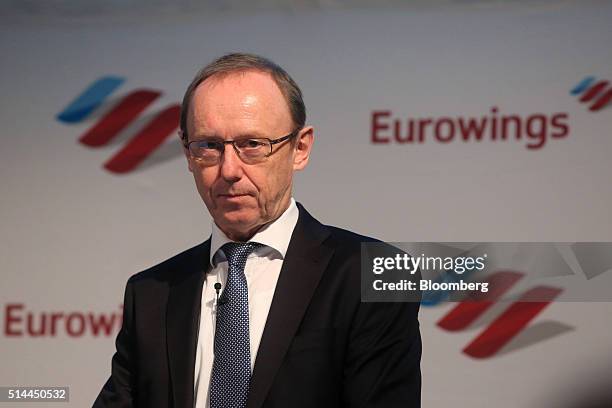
x=223 y=300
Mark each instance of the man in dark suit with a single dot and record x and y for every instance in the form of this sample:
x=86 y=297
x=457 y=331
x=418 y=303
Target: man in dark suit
x=267 y=312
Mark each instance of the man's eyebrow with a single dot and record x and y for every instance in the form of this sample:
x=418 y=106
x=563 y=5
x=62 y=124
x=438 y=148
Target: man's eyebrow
x=206 y=136
x=242 y=135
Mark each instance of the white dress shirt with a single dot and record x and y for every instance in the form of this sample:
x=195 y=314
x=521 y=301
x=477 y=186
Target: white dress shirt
x=262 y=271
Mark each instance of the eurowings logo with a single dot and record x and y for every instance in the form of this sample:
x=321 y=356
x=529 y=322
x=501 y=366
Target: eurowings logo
x=597 y=93
x=124 y=112
x=505 y=325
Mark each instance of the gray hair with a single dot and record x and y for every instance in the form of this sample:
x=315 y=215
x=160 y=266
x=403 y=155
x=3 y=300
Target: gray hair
x=237 y=62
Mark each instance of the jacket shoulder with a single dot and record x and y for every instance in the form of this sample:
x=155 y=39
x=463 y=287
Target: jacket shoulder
x=348 y=239
x=191 y=260
x=348 y=246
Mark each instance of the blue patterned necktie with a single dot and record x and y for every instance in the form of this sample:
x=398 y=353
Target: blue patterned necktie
x=231 y=374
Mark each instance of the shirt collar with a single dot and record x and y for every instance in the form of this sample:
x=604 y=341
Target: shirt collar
x=275 y=235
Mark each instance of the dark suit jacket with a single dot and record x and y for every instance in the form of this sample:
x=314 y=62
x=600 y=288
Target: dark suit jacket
x=321 y=346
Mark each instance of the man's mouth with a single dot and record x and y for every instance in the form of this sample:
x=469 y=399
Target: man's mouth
x=232 y=196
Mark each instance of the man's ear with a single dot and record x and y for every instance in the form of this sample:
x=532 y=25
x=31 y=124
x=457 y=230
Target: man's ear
x=302 y=148
x=185 y=150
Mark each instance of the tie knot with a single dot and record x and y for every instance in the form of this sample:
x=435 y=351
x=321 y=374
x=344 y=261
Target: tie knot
x=237 y=252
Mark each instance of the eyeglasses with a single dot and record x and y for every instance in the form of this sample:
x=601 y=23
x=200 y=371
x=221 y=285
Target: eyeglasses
x=250 y=150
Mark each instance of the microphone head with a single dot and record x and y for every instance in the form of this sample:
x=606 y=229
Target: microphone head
x=217 y=286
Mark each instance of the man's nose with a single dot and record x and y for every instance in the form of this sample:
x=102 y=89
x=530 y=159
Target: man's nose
x=230 y=164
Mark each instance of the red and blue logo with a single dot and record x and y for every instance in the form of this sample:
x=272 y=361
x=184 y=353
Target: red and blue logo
x=505 y=325
x=123 y=113
x=597 y=93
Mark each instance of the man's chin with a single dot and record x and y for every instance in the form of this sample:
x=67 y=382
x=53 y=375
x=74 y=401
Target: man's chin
x=237 y=220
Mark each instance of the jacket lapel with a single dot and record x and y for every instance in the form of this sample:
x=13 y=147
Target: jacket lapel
x=304 y=264
x=182 y=322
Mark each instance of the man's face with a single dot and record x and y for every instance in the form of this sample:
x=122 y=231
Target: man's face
x=242 y=197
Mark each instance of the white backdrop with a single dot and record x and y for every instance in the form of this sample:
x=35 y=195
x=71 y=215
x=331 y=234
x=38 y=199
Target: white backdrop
x=73 y=232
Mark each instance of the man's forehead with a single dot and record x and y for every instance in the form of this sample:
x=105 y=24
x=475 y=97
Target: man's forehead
x=239 y=83
x=252 y=94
